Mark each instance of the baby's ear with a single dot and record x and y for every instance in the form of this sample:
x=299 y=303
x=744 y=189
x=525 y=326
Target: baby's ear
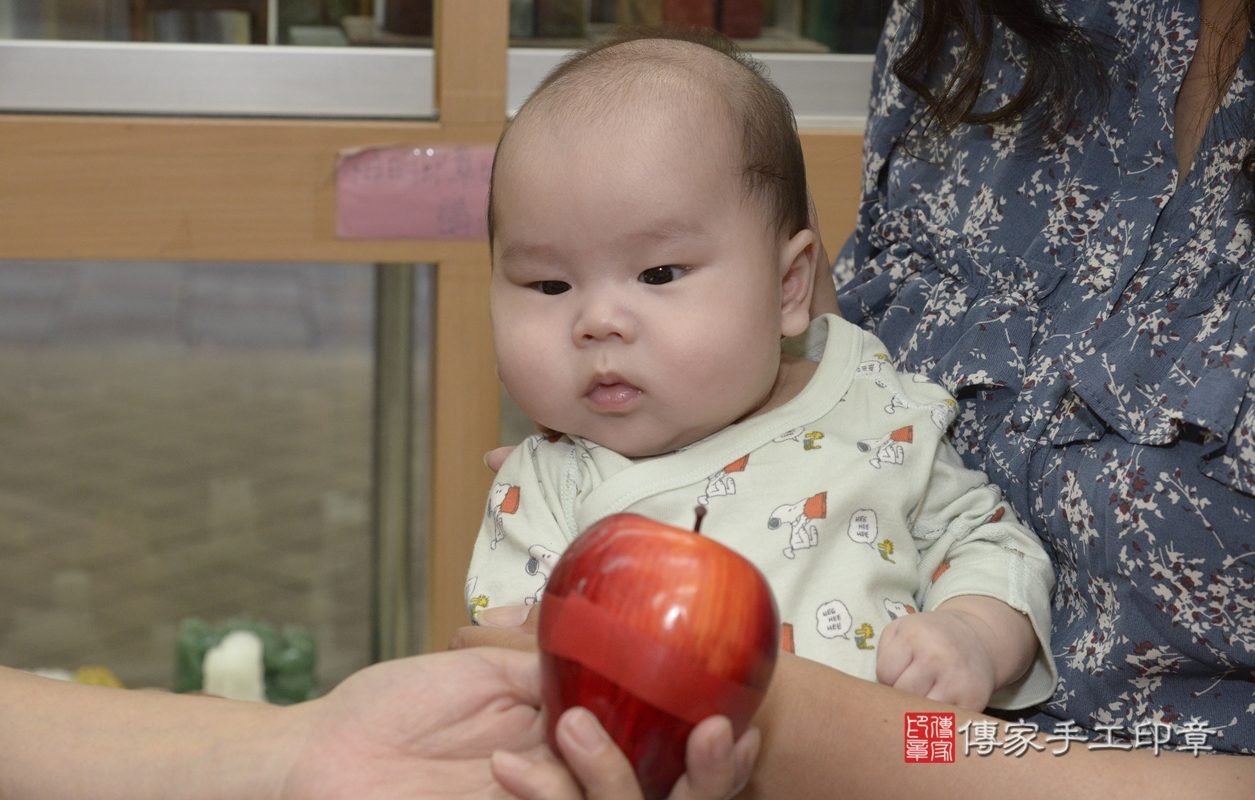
x=799 y=259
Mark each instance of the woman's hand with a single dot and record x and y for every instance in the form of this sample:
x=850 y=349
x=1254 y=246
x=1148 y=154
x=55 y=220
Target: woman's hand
x=418 y=727
x=717 y=768
x=495 y=458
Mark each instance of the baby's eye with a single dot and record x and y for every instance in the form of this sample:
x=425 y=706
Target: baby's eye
x=550 y=287
x=660 y=275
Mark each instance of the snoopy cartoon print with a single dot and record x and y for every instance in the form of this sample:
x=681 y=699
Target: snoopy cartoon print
x=589 y=446
x=533 y=444
x=833 y=620
x=474 y=603
x=872 y=366
x=722 y=484
x=897 y=610
x=941 y=413
x=791 y=435
x=800 y=516
x=896 y=403
x=809 y=439
x=503 y=499
x=888 y=449
x=541 y=561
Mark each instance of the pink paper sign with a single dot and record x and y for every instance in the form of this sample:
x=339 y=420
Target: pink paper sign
x=413 y=192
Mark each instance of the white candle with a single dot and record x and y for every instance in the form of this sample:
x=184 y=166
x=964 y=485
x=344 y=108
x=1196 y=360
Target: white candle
x=234 y=668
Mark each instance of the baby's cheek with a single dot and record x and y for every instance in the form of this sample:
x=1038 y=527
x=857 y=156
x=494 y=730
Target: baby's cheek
x=525 y=377
x=524 y=348
x=733 y=374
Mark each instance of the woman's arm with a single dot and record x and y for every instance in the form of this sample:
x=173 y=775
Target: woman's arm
x=826 y=734
x=446 y=725
x=59 y=739
x=416 y=727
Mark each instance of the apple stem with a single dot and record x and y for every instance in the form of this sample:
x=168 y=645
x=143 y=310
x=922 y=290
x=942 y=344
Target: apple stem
x=700 y=511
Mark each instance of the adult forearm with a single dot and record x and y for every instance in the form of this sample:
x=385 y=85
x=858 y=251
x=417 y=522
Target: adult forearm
x=59 y=739
x=826 y=735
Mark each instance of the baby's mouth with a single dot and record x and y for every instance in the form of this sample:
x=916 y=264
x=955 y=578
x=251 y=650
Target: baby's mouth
x=611 y=393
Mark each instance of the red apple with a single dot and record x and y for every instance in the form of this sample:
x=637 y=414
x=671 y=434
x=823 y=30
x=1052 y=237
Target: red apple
x=653 y=629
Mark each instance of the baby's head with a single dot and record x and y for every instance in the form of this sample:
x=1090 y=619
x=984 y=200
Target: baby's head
x=650 y=247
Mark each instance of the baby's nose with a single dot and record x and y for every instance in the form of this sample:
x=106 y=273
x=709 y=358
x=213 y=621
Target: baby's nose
x=602 y=320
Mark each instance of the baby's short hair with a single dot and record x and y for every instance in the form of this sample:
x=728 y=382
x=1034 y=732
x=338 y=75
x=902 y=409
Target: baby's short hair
x=772 y=166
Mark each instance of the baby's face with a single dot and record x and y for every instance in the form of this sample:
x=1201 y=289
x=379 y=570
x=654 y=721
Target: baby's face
x=636 y=289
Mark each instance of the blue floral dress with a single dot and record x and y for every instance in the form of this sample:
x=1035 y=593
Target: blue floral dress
x=1096 y=323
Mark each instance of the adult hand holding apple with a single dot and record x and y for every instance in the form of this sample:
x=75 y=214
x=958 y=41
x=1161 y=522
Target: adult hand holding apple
x=717 y=768
x=654 y=629
x=594 y=768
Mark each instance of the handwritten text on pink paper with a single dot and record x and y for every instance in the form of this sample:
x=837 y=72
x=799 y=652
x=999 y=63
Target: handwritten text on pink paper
x=413 y=192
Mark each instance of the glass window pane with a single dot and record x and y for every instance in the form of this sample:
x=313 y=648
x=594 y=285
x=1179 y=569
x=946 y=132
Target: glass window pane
x=316 y=23
x=184 y=440
x=799 y=26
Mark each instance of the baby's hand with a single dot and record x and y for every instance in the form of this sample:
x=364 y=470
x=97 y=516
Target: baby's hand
x=493 y=459
x=941 y=655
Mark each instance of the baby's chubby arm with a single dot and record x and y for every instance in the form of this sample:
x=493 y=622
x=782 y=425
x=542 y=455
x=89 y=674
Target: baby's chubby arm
x=983 y=636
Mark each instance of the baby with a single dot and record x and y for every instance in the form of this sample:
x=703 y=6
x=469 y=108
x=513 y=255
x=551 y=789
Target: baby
x=652 y=273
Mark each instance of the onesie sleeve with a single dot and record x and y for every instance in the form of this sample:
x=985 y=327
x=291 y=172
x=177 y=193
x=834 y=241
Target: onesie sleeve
x=524 y=528
x=971 y=542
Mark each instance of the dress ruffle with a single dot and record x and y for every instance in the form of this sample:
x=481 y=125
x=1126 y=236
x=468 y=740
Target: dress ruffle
x=1150 y=368
x=1150 y=371
x=1159 y=370
x=974 y=314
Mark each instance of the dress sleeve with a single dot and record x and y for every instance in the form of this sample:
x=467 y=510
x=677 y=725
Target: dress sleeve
x=971 y=542
x=523 y=533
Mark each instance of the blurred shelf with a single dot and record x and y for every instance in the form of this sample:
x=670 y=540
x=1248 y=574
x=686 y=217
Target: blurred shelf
x=773 y=40
x=363 y=32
